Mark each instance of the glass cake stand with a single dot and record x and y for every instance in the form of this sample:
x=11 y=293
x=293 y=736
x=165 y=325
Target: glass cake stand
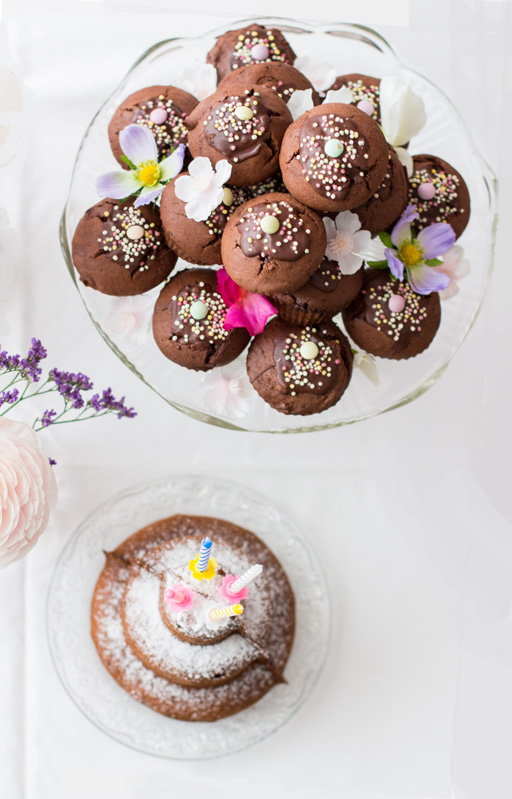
x=90 y=685
x=225 y=398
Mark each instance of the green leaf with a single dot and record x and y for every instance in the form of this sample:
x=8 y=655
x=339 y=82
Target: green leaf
x=377 y=264
x=128 y=162
x=433 y=262
x=386 y=239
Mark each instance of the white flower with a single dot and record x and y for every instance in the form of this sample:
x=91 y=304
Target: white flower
x=321 y=74
x=402 y=111
x=130 y=317
x=202 y=189
x=226 y=392
x=200 y=80
x=405 y=159
x=8 y=257
x=366 y=363
x=302 y=100
x=343 y=95
x=28 y=490
x=346 y=241
x=456 y=267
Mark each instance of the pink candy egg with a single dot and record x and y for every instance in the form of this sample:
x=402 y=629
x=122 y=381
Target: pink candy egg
x=260 y=52
x=426 y=191
x=158 y=116
x=366 y=106
x=396 y=303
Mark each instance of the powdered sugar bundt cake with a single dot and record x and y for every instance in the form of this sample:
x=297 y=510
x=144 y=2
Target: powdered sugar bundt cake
x=194 y=617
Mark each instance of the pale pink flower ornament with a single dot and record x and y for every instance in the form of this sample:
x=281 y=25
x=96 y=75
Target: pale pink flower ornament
x=346 y=242
x=455 y=266
x=202 y=190
x=28 y=490
x=130 y=318
x=226 y=392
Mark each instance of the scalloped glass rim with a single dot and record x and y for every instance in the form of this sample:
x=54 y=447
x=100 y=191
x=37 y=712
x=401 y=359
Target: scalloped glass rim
x=487 y=193
x=91 y=687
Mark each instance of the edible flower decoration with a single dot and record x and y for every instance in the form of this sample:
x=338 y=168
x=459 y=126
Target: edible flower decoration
x=402 y=114
x=455 y=266
x=245 y=308
x=199 y=79
x=227 y=391
x=202 y=190
x=417 y=254
x=146 y=175
x=346 y=242
x=321 y=74
x=302 y=100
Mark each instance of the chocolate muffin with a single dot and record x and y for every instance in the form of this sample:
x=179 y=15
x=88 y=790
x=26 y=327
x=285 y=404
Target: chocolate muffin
x=199 y=242
x=251 y=45
x=300 y=370
x=281 y=78
x=439 y=194
x=366 y=91
x=273 y=245
x=325 y=294
x=246 y=129
x=334 y=157
x=120 y=250
x=188 y=322
x=389 y=202
x=389 y=319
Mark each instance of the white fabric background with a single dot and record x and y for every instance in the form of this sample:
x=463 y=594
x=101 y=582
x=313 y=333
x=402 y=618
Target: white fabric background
x=416 y=696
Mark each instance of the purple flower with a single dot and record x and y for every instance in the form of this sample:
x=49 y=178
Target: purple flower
x=9 y=362
x=29 y=366
x=52 y=462
x=9 y=396
x=146 y=176
x=418 y=254
x=48 y=418
x=107 y=402
x=70 y=386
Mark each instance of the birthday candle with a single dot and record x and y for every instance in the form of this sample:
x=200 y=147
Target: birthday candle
x=245 y=578
x=204 y=554
x=216 y=614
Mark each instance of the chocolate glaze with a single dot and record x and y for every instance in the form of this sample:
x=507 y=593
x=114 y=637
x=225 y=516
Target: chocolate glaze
x=223 y=126
x=332 y=177
x=326 y=277
x=296 y=374
x=290 y=242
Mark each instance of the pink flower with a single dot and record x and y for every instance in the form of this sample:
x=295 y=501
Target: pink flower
x=246 y=309
x=455 y=266
x=28 y=490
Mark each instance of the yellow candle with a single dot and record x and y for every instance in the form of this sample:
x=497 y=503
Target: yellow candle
x=216 y=614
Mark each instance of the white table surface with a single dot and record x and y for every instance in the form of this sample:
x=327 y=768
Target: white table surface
x=416 y=696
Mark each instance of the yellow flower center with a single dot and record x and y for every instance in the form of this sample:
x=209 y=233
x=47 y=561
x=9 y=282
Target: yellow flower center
x=149 y=174
x=410 y=254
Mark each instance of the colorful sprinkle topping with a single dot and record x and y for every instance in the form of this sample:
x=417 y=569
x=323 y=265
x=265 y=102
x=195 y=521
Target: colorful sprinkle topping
x=256 y=46
x=165 y=121
x=443 y=201
x=366 y=98
x=129 y=237
x=189 y=324
x=304 y=361
x=238 y=126
x=274 y=230
x=395 y=308
x=328 y=174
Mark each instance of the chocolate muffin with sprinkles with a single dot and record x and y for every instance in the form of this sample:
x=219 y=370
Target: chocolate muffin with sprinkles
x=188 y=322
x=251 y=45
x=245 y=128
x=120 y=250
x=366 y=92
x=283 y=79
x=389 y=319
x=300 y=370
x=334 y=157
x=389 y=202
x=273 y=244
x=325 y=294
x=200 y=242
x=438 y=193
x=161 y=109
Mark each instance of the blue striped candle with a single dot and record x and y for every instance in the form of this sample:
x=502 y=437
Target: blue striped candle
x=204 y=554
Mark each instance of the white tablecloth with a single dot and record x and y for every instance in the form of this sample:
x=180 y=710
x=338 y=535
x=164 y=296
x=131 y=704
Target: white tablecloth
x=416 y=696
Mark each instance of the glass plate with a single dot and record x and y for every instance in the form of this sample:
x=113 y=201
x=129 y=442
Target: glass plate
x=210 y=397
x=90 y=685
